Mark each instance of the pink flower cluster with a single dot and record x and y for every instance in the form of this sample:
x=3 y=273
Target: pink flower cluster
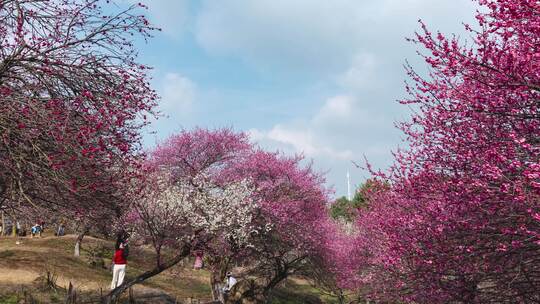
x=460 y=223
x=72 y=102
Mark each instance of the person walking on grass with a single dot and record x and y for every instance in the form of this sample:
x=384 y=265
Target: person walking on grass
x=120 y=260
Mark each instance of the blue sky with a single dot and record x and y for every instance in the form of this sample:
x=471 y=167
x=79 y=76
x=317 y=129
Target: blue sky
x=317 y=77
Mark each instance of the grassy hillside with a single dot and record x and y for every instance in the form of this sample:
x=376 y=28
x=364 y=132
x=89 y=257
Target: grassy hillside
x=24 y=268
x=25 y=265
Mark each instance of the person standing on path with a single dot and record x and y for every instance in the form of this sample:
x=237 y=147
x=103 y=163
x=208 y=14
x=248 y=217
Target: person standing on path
x=120 y=260
x=61 y=230
x=198 y=260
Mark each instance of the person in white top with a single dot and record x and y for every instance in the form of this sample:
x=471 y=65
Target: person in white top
x=231 y=281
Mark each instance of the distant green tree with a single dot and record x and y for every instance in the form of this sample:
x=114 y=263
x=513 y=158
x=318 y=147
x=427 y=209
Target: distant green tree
x=341 y=209
x=347 y=210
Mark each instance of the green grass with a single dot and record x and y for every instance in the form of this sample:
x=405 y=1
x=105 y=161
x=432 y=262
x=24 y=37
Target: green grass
x=12 y=299
x=292 y=292
x=37 y=256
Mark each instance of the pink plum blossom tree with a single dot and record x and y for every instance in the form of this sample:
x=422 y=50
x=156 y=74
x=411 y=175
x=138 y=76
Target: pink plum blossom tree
x=72 y=101
x=292 y=219
x=461 y=223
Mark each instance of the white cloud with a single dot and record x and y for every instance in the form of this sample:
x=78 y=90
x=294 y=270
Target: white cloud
x=298 y=140
x=360 y=74
x=339 y=109
x=316 y=35
x=301 y=140
x=341 y=131
x=303 y=33
x=177 y=93
x=173 y=17
x=256 y=135
x=329 y=133
x=336 y=107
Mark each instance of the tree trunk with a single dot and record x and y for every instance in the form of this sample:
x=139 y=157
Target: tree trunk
x=219 y=271
x=246 y=291
x=254 y=293
x=215 y=286
x=112 y=296
x=282 y=271
x=14 y=228
x=341 y=298
x=278 y=278
x=78 y=243
x=3 y=224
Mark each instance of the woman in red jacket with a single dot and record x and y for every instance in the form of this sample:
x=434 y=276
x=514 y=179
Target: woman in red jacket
x=119 y=261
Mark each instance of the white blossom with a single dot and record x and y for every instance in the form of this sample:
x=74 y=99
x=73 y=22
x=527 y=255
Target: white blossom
x=200 y=205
